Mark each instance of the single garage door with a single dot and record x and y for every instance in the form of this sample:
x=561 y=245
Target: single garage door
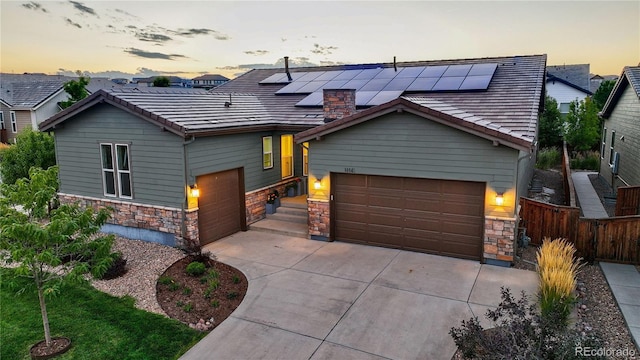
x=435 y=216
x=220 y=209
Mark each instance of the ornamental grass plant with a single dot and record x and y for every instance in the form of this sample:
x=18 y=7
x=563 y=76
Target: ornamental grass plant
x=557 y=270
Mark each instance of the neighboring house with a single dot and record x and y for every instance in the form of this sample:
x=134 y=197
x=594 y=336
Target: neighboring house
x=568 y=83
x=209 y=81
x=25 y=104
x=436 y=153
x=597 y=80
x=621 y=131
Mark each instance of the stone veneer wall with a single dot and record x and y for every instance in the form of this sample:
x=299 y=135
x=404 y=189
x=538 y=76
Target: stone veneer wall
x=143 y=216
x=256 y=200
x=499 y=236
x=319 y=221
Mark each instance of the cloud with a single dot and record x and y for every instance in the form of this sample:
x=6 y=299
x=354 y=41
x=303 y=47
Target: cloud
x=192 y=32
x=256 y=52
x=83 y=8
x=126 y=13
x=34 y=6
x=153 y=55
x=323 y=50
x=70 y=22
x=114 y=74
x=149 y=37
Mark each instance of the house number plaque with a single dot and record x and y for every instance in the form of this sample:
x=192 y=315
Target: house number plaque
x=350 y=170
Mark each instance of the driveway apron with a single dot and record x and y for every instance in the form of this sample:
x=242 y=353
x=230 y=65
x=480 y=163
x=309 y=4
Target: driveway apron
x=322 y=300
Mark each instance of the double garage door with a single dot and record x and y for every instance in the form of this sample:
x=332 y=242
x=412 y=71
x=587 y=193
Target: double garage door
x=435 y=216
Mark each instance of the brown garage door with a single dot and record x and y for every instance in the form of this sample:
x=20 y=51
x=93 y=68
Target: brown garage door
x=221 y=205
x=435 y=216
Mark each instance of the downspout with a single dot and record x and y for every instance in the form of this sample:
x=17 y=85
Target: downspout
x=183 y=227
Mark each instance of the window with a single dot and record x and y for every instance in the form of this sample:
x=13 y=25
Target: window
x=613 y=140
x=603 y=147
x=14 y=123
x=2 y=121
x=116 y=176
x=564 y=108
x=267 y=152
x=305 y=159
x=286 y=155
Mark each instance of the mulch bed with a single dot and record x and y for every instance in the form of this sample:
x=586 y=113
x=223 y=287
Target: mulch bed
x=59 y=345
x=185 y=297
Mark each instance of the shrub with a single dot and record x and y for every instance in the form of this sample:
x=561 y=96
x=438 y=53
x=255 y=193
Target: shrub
x=187 y=307
x=165 y=280
x=174 y=286
x=186 y=291
x=232 y=295
x=520 y=333
x=588 y=160
x=557 y=271
x=117 y=268
x=236 y=279
x=196 y=268
x=215 y=303
x=32 y=149
x=548 y=158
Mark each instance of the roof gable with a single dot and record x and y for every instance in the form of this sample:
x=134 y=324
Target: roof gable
x=577 y=74
x=30 y=94
x=429 y=109
x=553 y=78
x=630 y=76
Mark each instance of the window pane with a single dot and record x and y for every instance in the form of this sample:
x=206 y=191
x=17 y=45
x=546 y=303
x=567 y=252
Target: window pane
x=266 y=161
x=107 y=160
x=109 y=183
x=125 y=183
x=123 y=157
x=267 y=152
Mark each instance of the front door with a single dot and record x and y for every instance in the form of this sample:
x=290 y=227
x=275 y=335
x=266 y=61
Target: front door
x=286 y=155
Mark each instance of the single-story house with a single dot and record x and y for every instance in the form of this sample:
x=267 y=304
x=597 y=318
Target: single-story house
x=25 y=103
x=435 y=152
x=620 y=149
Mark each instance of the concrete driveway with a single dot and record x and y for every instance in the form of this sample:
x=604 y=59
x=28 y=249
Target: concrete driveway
x=317 y=300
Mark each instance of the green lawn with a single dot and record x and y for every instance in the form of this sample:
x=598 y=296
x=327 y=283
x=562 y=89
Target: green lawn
x=100 y=326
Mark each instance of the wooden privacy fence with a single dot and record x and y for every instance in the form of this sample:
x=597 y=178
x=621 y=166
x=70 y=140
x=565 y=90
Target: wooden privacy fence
x=628 y=201
x=615 y=239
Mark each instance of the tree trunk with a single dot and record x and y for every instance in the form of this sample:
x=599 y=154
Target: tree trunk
x=45 y=317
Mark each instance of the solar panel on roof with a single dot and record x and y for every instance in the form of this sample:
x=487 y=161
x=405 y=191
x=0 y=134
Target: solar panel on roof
x=309 y=76
x=354 y=84
x=448 y=83
x=347 y=75
x=292 y=87
x=457 y=70
x=363 y=97
x=329 y=75
x=367 y=74
x=480 y=82
x=433 y=71
x=276 y=79
x=410 y=72
x=375 y=85
x=386 y=73
x=383 y=97
x=423 y=84
x=311 y=86
x=482 y=69
x=314 y=99
x=398 y=84
x=334 y=84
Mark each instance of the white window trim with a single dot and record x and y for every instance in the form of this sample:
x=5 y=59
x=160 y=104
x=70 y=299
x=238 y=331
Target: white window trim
x=14 y=122
x=113 y=171
x=305 y=159
x=120 y=171
x=292 y=167
x=270 y=152
x=1 y=120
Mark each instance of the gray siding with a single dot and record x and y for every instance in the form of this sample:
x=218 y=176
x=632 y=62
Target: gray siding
x=625 y=121
x=408 y=145
x=219 y=153
x=156 y=157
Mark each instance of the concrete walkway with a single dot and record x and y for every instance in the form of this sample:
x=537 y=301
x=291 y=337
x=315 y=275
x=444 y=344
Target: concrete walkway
x=331 y=300
x=589 y=201
x=624 y=281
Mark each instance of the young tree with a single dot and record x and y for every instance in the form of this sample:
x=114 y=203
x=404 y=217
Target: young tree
x=161 y=81
x=38 y=239
x=550 y=126
x=582 y=126
x=32 y=148
x=76 y=89
x=602 y=94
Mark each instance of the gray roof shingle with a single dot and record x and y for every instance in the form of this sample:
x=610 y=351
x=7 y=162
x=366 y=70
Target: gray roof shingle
x=29 y=94
x=577 y=74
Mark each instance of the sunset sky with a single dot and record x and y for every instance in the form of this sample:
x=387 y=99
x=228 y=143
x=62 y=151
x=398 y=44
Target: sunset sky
x=189 y=38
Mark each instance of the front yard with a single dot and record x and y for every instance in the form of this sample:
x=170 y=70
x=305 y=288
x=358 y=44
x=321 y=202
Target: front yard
x=101 y=326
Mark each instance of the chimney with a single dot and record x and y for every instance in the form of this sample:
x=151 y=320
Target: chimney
x=338 y=103
x=286 y=68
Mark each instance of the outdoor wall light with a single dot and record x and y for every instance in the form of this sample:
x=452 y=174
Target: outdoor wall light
x=317 y=185
x=195 y=192
x=499 y=199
